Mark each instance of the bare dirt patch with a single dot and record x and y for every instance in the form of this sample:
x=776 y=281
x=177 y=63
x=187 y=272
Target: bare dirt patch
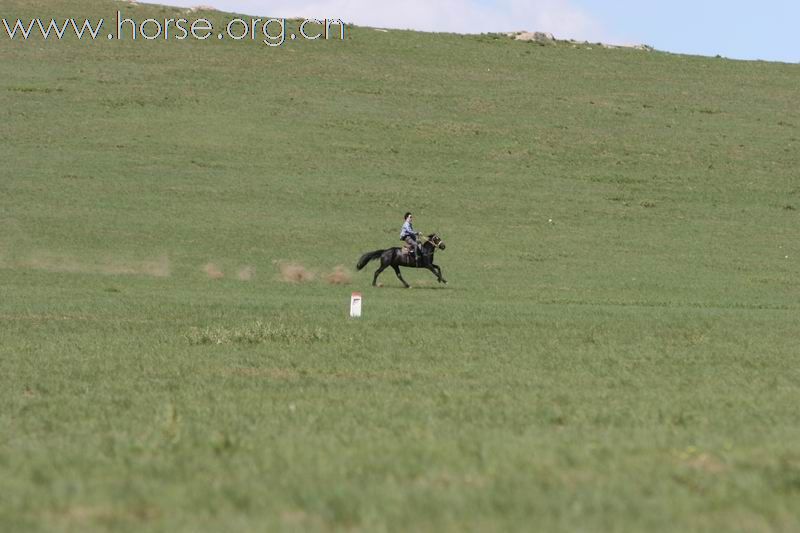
x=246 y=273
x=213 y=271
x=159 y=268
x=54 y=262
x=706 y=463
x=295 y=273
x=339 y=276
x=95 y=514
x=270 y=373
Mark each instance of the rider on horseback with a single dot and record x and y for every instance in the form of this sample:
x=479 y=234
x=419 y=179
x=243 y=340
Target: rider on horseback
x=397 y=257
x=408 y=235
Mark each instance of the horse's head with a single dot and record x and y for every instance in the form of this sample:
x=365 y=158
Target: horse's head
x=437 y=241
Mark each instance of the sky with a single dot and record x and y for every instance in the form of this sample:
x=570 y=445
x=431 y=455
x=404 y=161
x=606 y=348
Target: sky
x=739 y=29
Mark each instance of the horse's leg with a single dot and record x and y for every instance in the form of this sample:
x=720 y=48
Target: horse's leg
x=438 y=277
x=383 y=266
x=439 y=274
x=397 y=271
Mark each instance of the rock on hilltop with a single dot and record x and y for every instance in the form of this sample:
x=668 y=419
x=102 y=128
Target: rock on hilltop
x=545 y=37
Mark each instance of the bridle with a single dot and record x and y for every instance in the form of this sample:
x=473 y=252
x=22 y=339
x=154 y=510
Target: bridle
x=436 y=240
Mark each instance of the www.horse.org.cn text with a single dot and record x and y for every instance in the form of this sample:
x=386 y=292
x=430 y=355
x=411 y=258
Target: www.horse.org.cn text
x=271 y=31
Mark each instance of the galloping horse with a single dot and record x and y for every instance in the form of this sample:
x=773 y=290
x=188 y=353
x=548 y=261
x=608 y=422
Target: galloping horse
x=395 y=258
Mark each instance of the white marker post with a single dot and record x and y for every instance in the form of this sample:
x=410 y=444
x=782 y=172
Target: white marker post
x=355 y=305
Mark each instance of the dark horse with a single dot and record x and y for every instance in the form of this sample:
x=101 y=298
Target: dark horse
x=395 y=258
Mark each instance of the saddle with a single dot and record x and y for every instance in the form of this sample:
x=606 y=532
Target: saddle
x=410 y=252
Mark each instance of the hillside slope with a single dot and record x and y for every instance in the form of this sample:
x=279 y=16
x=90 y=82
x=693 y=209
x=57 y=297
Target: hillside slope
x=614 y=351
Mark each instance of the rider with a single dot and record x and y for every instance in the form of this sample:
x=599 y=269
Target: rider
x=408 y=235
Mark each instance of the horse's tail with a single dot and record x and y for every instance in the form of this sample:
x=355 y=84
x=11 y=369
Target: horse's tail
x=366 y=258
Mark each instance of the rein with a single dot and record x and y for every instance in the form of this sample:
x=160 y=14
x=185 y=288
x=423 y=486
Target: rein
x=432 y=241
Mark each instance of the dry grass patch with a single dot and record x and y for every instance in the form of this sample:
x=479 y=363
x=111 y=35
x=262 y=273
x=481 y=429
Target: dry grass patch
x=257 y=332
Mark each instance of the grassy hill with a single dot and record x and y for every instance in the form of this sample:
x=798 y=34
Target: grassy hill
x=631 y=365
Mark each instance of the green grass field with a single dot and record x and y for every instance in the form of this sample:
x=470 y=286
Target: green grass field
x=631 y=366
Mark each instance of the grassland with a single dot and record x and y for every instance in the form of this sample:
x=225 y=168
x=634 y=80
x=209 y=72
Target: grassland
x=631 y=366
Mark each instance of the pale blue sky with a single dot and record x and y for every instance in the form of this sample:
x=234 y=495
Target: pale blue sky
x=742 y=29
x=769 y=29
